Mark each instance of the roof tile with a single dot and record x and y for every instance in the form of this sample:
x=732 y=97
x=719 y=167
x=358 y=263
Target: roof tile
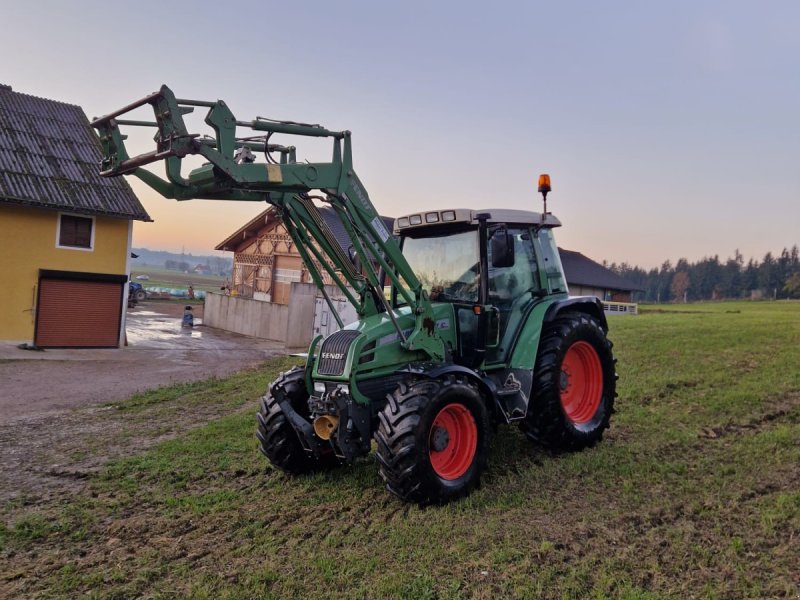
x=50 y=156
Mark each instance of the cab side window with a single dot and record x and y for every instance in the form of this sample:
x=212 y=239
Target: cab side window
x=508 y=284
x=552 y=261
x=511 y=290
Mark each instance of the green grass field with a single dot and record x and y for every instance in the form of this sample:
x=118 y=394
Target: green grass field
x=694 y=493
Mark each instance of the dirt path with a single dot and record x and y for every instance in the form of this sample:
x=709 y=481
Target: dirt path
x=53 y=434
x=47 y=457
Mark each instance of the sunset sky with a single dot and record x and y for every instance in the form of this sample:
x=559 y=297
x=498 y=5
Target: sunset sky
x=669 y=129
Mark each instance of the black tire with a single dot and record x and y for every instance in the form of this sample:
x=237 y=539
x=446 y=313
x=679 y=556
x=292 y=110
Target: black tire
x=406 y=436
x=140 y=295
x=555 y=419
x=278 y=440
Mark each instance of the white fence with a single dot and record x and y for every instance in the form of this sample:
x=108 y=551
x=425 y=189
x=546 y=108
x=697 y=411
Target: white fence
x=620 y=308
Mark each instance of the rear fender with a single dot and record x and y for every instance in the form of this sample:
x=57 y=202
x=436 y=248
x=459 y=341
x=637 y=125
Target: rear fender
x=579 y=304
x=526 y=345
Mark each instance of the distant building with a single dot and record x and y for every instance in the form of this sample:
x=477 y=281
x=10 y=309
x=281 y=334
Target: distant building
x=65 y=232
x=585 y=277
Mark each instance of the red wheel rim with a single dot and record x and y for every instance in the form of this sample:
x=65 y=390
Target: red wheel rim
x=453 y=441
x=581 y=383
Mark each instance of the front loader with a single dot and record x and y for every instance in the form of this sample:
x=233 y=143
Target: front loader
x=477 y=330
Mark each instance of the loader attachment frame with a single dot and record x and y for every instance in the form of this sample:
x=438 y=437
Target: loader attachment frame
x=232 y=173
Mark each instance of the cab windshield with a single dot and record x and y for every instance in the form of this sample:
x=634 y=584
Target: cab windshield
x=447 y=265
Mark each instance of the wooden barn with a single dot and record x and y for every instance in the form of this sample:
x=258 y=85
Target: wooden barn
x=265 y=261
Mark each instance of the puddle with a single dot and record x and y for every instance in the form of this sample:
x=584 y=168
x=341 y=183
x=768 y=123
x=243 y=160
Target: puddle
x=151 y=330
x=154 y=330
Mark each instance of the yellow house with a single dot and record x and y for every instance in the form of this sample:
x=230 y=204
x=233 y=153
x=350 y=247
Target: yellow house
x=65 y=232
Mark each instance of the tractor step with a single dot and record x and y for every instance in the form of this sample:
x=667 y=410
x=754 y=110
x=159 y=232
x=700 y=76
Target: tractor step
x=513 y=402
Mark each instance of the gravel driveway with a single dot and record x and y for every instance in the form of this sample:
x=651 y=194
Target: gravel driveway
x=159 y=352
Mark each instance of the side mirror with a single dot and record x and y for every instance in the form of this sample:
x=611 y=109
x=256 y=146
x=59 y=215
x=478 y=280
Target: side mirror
x=502 y=249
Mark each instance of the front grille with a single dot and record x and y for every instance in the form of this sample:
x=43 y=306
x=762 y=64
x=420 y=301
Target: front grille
x=333 y=353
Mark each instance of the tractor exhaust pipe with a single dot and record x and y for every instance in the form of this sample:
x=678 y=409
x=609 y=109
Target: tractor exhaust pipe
x=325 y=425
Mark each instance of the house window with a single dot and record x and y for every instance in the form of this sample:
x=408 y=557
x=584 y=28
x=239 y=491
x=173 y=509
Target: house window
x=75 y=232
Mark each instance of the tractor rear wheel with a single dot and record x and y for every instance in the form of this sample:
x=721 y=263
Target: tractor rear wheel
x=433 y=440
x=574 y=385
x=141 y=295
x=278 y=440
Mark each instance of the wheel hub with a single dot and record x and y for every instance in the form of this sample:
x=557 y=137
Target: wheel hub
x=563 y=381
x=453 y=441
x=440 y=438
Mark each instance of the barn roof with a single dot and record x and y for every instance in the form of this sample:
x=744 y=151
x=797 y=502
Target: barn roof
x=247 y=231
x=338 y=230
x=250 y=229
x=50 y=158
x=580 y=270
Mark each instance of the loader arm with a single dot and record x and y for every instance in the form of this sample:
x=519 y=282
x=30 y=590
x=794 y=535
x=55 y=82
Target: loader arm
x=232 y=173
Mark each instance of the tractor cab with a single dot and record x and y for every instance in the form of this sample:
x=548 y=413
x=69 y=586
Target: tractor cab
x=491 y=265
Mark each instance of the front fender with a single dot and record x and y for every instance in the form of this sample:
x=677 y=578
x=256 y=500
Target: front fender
x=486 y=386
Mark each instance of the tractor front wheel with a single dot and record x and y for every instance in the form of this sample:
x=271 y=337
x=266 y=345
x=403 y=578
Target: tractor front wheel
x=433 y=440
x=574 y=385
x=278 y=440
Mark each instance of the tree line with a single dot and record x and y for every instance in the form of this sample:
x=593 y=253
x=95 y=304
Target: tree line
x=773 y=277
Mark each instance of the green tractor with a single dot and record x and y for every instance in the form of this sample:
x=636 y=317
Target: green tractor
x=465 y=321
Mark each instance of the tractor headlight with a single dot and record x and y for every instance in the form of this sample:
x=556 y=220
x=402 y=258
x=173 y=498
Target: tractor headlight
x=319 y=388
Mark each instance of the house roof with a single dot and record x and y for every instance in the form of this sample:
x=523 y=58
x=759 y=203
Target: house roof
x=50 y=157
x=580 y=270
x=250 y=229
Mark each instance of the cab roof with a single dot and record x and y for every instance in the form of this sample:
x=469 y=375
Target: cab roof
x=468 y=215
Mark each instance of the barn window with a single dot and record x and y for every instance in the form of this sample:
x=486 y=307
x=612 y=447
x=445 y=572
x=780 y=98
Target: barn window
x=75 y=232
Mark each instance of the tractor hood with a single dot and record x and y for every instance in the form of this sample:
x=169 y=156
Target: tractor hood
x=371 y=347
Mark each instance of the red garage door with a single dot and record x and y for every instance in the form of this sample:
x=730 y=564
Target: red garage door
x=76 y=313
